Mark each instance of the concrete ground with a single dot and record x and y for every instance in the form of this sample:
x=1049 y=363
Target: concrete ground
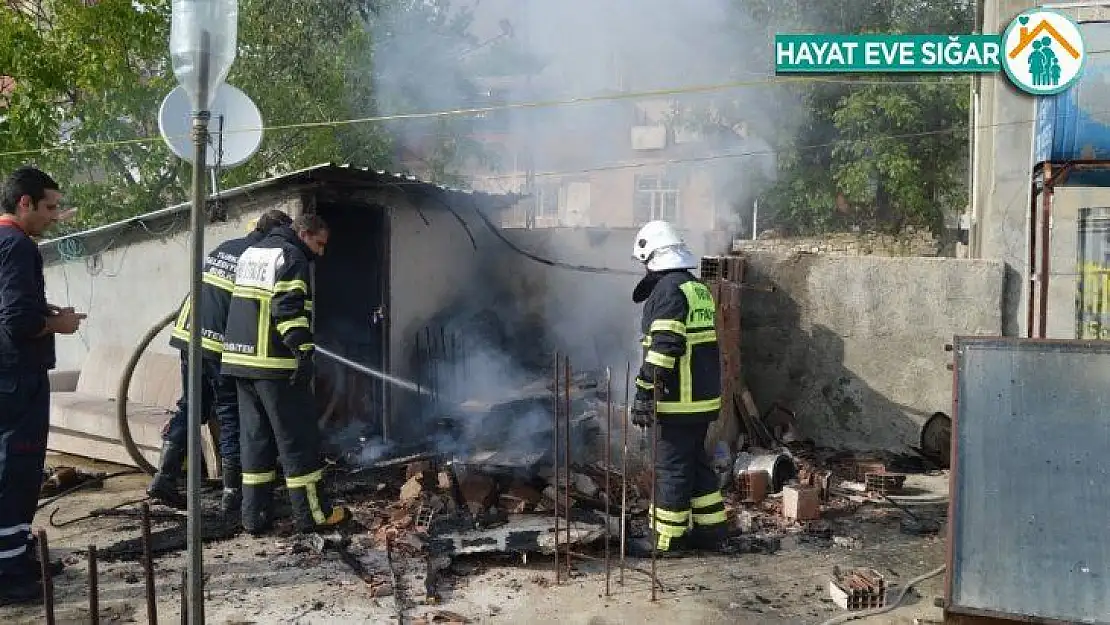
x=272 y=580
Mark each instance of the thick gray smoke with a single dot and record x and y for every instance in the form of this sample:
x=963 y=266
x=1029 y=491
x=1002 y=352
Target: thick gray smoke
x=516 y=51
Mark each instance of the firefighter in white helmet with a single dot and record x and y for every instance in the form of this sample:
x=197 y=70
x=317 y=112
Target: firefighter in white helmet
x=680 y=351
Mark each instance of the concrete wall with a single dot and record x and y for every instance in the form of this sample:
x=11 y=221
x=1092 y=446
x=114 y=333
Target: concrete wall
x=909 y=243
x=855 y=345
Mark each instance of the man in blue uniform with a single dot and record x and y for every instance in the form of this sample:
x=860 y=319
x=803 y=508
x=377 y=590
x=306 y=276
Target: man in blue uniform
x=681 y=353
x=28 y=207
x=218 y=393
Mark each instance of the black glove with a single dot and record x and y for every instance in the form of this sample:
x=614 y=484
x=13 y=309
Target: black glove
x=305 y=372
x=643 y=409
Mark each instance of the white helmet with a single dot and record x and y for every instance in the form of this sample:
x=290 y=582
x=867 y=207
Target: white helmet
x=660 y=248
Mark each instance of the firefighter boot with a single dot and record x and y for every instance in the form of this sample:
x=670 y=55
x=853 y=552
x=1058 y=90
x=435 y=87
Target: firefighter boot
x=641 y=546
x=257 y=506
x=232 y=499
x=163 y=488
x=311 y=509
x=711 y=538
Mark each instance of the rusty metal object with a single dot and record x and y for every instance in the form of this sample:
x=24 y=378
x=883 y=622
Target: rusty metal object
x=94 y=590
x=184 y=597
x=566 y=452
x=608 y=466
x=624 y=467
x=555 y=462
x=47 y=579
x=148 y=568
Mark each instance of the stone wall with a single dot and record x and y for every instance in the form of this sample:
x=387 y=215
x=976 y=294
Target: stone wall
x=908 y=243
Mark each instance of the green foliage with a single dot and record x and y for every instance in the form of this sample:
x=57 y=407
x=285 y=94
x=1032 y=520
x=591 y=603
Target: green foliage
x=97 y=74
x=878 y=156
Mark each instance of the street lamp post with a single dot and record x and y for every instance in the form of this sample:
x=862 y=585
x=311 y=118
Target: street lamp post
x=202 y=47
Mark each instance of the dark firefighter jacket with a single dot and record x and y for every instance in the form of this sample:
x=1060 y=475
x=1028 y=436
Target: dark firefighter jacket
x=23 y=310
x=680 y=347
x=218 y=281
x=269 y=321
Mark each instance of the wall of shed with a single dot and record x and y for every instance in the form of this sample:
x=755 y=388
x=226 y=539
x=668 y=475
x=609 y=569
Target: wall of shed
x=130 y=281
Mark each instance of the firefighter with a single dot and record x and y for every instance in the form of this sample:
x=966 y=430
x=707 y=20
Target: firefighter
x=217 y=393
x=681 y=353
x=268 y=349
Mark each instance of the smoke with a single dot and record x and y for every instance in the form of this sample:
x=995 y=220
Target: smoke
x=432 y=55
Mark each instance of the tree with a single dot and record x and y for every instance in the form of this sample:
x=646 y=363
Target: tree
x=878 y=155
x=96 y=74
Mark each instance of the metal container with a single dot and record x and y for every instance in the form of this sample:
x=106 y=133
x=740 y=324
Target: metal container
x=1075 y=124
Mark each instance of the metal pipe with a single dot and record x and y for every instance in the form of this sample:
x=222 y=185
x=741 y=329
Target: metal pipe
x=47 y=578
x=566 y=453
x=608 y=469
x=654 y=449
x=624 y=467
x=94 y=590
x=1046 y=233
x=555 y=462
x=194 y=546
x=148 y=568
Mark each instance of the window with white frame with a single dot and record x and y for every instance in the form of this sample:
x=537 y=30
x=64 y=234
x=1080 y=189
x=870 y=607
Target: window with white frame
x=656 y=197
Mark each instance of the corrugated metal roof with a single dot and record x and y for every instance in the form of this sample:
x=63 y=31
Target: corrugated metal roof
x=335 y=173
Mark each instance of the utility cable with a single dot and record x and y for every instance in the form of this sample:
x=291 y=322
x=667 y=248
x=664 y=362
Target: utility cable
x=470 y=111
x=539 y=259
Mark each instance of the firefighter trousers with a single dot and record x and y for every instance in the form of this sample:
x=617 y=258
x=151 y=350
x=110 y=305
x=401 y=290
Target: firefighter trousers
x=219 y=395
x=278 y=420
x=24 y=423
x=687 y=492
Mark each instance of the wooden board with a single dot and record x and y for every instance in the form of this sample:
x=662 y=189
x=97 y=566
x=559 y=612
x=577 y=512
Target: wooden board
x=726 y=296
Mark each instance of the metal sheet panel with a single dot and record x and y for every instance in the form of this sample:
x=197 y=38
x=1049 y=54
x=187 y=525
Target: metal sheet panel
x=1030 y=527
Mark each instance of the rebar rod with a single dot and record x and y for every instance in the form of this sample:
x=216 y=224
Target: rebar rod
x=608 y=471
x=624 y=468
x=47 y=578
x=94 y=590
x=566 y=453
x=555 y=461
x=148 y=568
x=654 y=451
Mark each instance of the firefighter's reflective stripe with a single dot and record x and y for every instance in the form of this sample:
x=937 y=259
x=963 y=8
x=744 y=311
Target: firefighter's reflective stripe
x=647 y=386
x=218 y=282
x=259 y=479
x=296 y=322
x=668 y=325
x=708 y=509
x=701 y=342
x=309 y=482
x=661 y=360
x=668 y=524
x=181 y=330
x=308 y=305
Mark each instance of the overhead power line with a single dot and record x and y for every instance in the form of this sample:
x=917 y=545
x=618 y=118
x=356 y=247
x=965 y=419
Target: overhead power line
x=470 y=111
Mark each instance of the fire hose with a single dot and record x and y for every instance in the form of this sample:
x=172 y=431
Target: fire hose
x=125 y=386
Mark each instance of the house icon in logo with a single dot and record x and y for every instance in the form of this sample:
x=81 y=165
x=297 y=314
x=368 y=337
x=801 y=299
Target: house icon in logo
x=1045 y=52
